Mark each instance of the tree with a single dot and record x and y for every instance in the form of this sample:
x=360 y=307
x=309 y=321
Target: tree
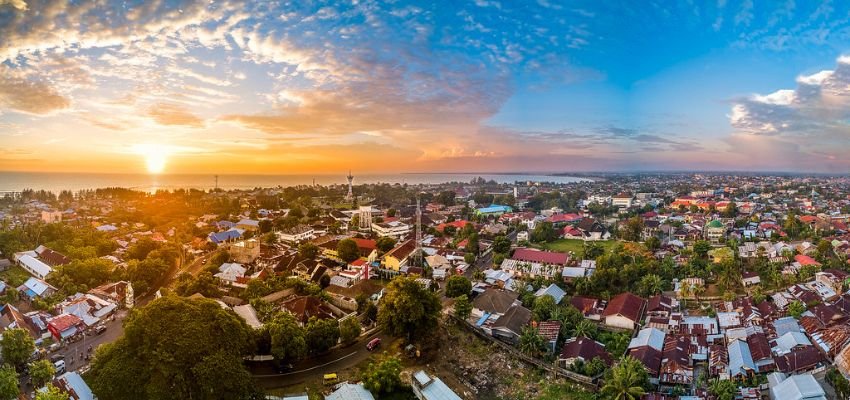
x=472 y=243
x=288 y=340
x=653 y=243
x=701 y=248
x=349 y=330
x=633 y=229
x=501 y=244
x=463 y=307
x=731 y=210
x=530 y=341
x=543 y=308
x=308 y=250
x=176 y=347
x=347 y=250
x=592 y=250
x=9 y=389
x=723 y=389
x=543 y=232
x=41 y=372
x=383 y=377
x=321 y=334
x=17 y=345
x=385 y=243
x=651 y=285
x=457 y=285
x=625 y=381
x=585 y=328
x=52 y=393
x=796 y=309
x=407 y=308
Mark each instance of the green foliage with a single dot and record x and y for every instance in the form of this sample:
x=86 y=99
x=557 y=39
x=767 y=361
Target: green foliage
x=308 y=250
x=141 y=249
x=543 y=232
x=205 y=283
x=145 y=274
x=321 y=334
x=501 y=244
x=17 y=346
x=52 y=393
x=41 y=372
x=349 y=330
x=347 y=250
x=176 y=348
x=407 y=308
x=385 y=244
x=650 y=285
x=8 y=383
x=81 y=275
x=615 y=343
x=543 y=308
x=701 y=248
x=627 y=380
x=462 y=307
x=796 y=309
x=585 y=328
x=633 y=229
x=530 y=342
x=383 y=377
x=839 y=383
x=458 y=285
x=288 y=340
x=723 y=389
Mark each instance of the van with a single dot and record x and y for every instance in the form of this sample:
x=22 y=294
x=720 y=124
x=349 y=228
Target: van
x=59 y=366
x=330 y=379
x=373 y=344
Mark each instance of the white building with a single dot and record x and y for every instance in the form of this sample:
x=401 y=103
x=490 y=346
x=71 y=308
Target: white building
x=622 y=200
x=393 y=229
x=426 y=387
x=50 y=217
x=34 y=266
x=296 y=234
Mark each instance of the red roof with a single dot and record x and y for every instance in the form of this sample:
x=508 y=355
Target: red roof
x=457 y=224
x=543 y=257
x=627 y=305
x=805 y=260
x=365 y=243
x=65 y=321
x=556 y=218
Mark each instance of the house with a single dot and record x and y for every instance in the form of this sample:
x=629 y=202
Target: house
x=426 y=387
x=624 y=311
x=50 y=257
x=245 y=251
x=34 y=266
x=760 y=352
x=350 y=391
x=715 y=230
x=651 y=360
x=35 y=288
x=306 y=307
x=50 y=217
x=675 y=361
x=591 y=308
x=249 y=315
x=552 y=290
x=72 y=384
x=88 y=308
x=493 y=303
x=224 y=236
x=64 y=326
x=399 y=256
x=493 y=209
x=802 y=359
x=648 y=337
x=231 y=273
x=248 y=224
x=541 y=257
x=394 y=229
x=741 y=362
x=549 y=331
x=660 y=306
x=593 y=230
x=120 y=292
x=11 y=317
x=795 y=387
x=622 y=200
x=296 y=234
x=583 y=349
x=750 y=278
x=509 y=326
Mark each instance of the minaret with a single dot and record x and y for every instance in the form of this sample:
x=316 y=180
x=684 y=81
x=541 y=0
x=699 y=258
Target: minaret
x=350 y=195
x=418 y=251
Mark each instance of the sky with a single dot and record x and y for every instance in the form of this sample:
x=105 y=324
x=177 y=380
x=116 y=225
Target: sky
x=267 y=87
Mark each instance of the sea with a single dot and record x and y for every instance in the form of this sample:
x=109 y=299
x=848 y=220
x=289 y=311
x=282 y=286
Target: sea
x=56 y=182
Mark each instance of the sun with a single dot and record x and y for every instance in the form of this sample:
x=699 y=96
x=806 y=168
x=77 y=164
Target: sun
x=156 y=157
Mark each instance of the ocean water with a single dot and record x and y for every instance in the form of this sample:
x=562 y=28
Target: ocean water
x=17 y=181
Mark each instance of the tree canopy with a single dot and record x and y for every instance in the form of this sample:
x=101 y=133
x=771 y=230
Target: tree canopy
x=408 y=308
x=176 y=348
x=17 y=345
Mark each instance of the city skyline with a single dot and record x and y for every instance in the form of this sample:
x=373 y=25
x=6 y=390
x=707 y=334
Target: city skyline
x=481 y=86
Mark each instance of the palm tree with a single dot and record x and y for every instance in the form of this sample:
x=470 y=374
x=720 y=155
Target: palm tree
x=652 y=284
x=530 y=342
x=626 y=380
x=585 y=328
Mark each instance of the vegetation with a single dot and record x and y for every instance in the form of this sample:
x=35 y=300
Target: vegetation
x=321 y=334
x=462 y=307
x=347 y=250
x=384 y=376
x=408 y=309
x=176 y=348
x=288 y=340
x=17 y=346
x=8 y=383
x=52 y=393
x=349 y=330
x=41 y=372
x=627 y=380
x=458 y=285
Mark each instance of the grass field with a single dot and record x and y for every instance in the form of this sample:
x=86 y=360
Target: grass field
x=575 y=245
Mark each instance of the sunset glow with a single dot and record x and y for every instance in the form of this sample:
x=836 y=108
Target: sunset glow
x=259 y=87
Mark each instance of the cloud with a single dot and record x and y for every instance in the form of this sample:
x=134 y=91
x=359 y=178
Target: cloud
x=172 y=114
x=28 y=96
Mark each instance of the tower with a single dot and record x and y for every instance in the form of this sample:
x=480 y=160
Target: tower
x=365 y=222
x=350 y=194
x=418 y=252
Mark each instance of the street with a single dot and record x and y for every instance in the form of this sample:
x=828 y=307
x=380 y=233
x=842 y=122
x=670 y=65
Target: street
x=312 y=369
x=72 y=351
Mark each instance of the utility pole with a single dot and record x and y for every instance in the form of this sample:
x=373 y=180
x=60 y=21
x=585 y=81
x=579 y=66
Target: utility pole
x=216 y=183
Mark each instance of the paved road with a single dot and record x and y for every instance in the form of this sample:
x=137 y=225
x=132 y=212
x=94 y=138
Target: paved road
x=72 y=351
x=312 y=370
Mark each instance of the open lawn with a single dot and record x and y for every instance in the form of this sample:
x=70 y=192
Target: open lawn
x=575 y=245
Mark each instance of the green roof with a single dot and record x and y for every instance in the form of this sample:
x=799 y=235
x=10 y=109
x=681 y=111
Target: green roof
x=715 y=224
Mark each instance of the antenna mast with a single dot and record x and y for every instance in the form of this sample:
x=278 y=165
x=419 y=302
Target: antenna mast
x=418 y=233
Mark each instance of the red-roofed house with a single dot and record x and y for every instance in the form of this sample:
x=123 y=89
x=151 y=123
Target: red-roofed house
x=64 y=326
x=456 y=224
x=805 y=260
x=542 y=257
x=624 y=311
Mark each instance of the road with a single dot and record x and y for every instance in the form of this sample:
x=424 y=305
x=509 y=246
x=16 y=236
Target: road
x=72 y=351
x=314 y=368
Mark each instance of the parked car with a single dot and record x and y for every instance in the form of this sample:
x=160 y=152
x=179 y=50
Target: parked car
x=100 y=329
x=57 y=357
x=374 y=343
x=330 y=379
x=54 y=347
x=59 y=366
x=283 y=367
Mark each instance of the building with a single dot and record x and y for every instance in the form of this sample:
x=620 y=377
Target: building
x=394 y=229
x=583 y=349
x=399 y=257
x=34 y=266
x=624 y=311
x=622 y=200
x=296 y=234
x=248 y=224
x=49 y=217
x=715 y=231
x=245 y=251
x=350 y=391
x=795 y=387
x=35 y=288
x=73 y=384
x=426 y=387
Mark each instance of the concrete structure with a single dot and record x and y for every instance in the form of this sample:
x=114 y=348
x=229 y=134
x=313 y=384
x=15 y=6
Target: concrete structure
x=426 y=387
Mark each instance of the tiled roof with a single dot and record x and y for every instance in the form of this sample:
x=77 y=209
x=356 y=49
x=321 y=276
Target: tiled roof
x=586 y=349
x=627 y=305
x=544 y=257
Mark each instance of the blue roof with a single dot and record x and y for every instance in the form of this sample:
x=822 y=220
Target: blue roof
x=483 y=319
x=220 y=237
x=494 y=208
x=740 y=358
